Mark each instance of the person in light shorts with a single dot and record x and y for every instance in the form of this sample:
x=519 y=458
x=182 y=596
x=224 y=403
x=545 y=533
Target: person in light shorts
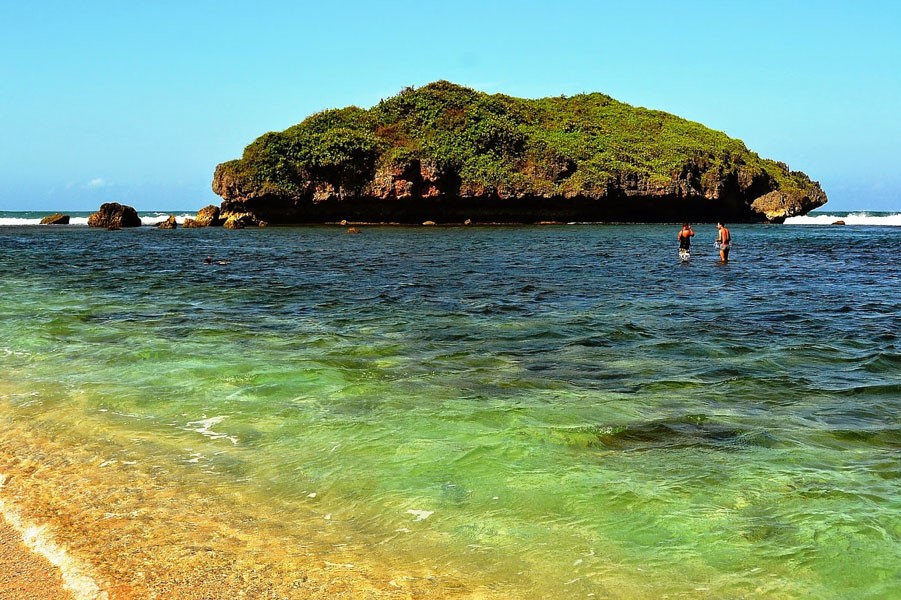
x=723 y=241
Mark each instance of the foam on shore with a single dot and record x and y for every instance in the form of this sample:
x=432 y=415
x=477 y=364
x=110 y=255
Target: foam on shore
x=37 y=539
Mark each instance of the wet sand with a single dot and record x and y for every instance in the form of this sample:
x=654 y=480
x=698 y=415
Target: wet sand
x=25 y=574
x=123 y=533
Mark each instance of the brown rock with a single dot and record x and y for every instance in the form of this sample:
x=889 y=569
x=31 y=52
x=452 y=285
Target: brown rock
x=354 y=230
x=113 y=215
x=240 y=221
x=55 y=219
x=414 y=179
x=839 y=223
x=169 y=223
x=208 y=216
x=776 y=206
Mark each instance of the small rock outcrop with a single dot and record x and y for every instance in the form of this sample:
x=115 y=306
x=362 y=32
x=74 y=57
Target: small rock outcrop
x=113 y=215
x=208 y=216
x=169 y=223
x=55 y=219
x=778 y=205
x=241 y=221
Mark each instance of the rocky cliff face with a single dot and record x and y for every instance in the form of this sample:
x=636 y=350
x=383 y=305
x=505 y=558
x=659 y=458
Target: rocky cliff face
x=416 y=193
x=448 y=154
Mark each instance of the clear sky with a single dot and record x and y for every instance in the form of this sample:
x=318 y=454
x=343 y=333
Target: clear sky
x=137 y=102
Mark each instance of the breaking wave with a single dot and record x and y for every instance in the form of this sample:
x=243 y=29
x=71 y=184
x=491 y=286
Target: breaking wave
x=891 y=219
x=26 y=219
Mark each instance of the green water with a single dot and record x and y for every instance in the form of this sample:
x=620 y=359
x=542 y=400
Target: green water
x=551 y=411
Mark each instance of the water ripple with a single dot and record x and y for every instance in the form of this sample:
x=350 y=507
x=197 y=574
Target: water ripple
x=571 y=408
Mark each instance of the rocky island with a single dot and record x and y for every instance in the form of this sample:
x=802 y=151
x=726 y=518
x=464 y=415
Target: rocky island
x=450 y=154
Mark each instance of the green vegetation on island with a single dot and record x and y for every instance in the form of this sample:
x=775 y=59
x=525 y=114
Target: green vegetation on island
x=492 y=146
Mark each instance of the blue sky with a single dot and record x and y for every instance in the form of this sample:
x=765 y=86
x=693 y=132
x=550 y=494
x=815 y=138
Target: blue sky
x=137 y=102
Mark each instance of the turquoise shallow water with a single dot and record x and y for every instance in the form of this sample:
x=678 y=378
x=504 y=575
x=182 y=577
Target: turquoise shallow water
x=559 y=410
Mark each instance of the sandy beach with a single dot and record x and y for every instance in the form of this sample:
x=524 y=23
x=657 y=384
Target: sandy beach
x=191 y=545
x=25 y=574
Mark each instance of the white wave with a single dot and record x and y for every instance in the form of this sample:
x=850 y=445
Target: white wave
x=10 y=352
x=157 y=218
x=24 y=221
x=12 y=221
x=204 y=427
x=420 y=515
x=76 y=575
x=151 y=219
x=854 y=218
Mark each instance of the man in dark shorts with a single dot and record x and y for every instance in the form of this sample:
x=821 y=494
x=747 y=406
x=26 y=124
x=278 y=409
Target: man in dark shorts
x=685 y=239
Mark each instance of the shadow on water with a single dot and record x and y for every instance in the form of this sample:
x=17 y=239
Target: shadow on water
x=688 y=431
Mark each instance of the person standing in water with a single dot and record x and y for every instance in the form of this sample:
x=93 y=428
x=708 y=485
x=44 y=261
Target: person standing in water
x=723 y=241
x=685 y=238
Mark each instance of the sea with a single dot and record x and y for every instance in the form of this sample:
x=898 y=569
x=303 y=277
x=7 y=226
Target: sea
x=548 y=411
